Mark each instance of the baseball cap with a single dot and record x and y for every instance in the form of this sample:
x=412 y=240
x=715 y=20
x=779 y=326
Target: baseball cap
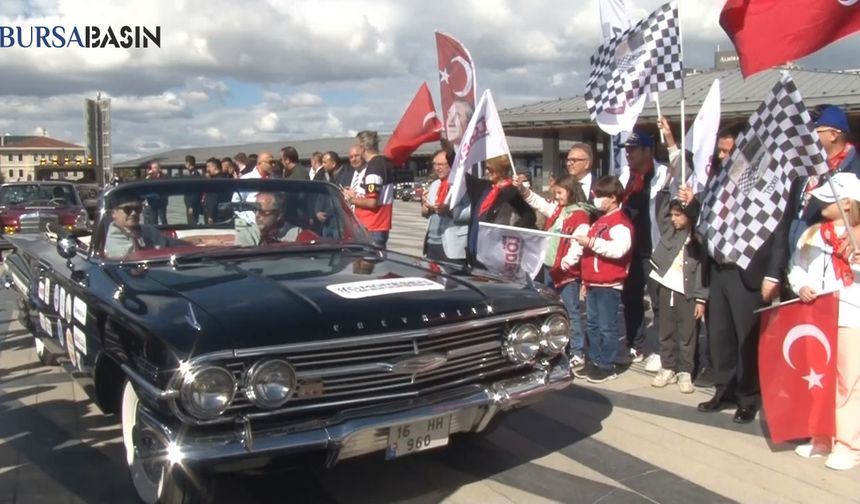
x=833 y=117
x=847 y=186
x=639 y=139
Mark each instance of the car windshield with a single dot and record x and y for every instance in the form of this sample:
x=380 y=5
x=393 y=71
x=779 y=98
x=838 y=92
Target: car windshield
x=54 y=195
x=197 y=217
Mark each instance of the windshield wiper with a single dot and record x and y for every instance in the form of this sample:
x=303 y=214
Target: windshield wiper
x=235 y=251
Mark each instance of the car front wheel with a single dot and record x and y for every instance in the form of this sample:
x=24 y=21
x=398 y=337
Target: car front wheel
x=155 y=479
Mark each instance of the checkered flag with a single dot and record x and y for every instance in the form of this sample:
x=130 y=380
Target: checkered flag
x=645 y=58
x=746 y=200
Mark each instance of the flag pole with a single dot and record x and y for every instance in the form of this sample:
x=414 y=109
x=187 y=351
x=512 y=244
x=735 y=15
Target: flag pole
x=683 y=99
x=659 y=115
x=848 y=227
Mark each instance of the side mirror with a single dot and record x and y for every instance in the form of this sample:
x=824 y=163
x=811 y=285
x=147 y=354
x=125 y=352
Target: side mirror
x=67 y=248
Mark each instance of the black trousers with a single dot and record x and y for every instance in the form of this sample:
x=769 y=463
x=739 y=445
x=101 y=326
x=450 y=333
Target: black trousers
x=633 y=298
x=733 y=336
x=678 y=331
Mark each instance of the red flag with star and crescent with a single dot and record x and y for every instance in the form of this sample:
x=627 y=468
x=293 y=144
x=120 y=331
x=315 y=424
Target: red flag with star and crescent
x=456 y=85
x=418 y=126
x=797 y=368
x=767 y=33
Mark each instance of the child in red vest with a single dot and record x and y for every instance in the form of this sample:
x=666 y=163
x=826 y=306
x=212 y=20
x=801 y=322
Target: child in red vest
x=605 y=262
x=569 y=214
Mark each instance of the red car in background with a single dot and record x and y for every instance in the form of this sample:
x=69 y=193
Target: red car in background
x=33 y=207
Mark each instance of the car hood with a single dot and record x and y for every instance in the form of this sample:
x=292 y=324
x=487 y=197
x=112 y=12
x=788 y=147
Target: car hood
x=264 y=301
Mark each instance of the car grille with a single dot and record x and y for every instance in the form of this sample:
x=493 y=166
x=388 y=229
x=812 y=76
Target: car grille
x=36 y=222
x=472 y=355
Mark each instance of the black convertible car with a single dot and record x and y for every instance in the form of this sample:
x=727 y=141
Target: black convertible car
x=272 y=330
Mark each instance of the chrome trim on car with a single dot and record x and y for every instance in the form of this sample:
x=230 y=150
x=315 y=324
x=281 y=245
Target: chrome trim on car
x=147 y=388
x=383 y=338
x=362 y=430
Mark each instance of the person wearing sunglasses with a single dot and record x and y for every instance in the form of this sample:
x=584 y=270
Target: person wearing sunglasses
x=126 y=234
x=271 y=221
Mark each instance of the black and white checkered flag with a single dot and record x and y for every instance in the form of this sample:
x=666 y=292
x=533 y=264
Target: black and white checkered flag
x=747 y=199
x=645 y=58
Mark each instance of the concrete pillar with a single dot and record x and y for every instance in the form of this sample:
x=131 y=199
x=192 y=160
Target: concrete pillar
x=551 y=158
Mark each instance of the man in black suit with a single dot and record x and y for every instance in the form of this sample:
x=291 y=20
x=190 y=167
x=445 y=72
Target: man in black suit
x=733 y=327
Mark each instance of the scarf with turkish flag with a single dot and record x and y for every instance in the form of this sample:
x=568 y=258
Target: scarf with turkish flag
x=442 y=193
x=767 y=33
x=841 y=268
x=797 y=368
x=493 y=195
x=418 y=126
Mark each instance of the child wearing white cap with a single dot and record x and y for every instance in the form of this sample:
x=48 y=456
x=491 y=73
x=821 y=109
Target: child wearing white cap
x=817 y=267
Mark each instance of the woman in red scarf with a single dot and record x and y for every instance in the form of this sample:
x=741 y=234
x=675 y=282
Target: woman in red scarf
x=818 y=267
x=496 y=200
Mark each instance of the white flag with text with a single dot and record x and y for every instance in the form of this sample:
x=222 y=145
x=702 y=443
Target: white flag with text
x=484 y=139
x=511 y=251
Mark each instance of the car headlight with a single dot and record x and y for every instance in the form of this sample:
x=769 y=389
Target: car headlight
x=206 y=392
x=270 y=383
x=555 y=333
x=523 y=342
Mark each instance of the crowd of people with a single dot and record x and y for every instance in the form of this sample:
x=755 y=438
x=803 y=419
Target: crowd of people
x=616 y=239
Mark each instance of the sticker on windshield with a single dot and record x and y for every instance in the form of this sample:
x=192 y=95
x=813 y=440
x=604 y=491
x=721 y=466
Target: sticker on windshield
x=372 y=288
x=79 y=308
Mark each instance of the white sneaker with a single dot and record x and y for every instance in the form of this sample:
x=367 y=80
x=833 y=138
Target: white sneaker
x=842 y=461
x=663 y=378
x=685 y=383
x=812 y=450
x=652 y=363
x=636 y=355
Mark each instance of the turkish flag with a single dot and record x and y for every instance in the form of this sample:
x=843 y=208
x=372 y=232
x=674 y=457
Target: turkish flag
x=797 y=368
x=456 y=85
x=767 y=33
x=418 y=126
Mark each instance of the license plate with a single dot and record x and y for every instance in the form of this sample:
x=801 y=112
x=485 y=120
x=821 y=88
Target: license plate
x=418 y=436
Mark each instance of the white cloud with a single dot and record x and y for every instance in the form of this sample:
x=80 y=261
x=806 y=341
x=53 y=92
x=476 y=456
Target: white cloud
x=214 y=133
x=268 y=122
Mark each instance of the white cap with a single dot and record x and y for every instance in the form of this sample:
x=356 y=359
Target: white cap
x=847 y=186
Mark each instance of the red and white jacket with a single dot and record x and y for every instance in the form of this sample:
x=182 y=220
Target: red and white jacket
x=606 y=258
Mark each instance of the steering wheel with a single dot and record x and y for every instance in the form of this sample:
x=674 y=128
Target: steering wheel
x=58 y=201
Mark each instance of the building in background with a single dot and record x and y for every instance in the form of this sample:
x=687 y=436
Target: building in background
x=22 y=156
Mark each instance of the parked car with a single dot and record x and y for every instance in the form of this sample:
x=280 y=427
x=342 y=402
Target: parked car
x=413 y=193
x=33 y=207
x=267 y=336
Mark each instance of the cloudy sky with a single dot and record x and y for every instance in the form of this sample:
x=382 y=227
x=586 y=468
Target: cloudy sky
x=230 y=72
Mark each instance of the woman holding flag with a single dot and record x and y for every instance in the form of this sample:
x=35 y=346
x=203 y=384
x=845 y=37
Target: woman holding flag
x=569 y=214
x=497 y=201
x=817 y=267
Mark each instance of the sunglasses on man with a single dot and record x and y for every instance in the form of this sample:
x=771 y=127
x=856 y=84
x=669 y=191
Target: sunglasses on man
x=129 y=209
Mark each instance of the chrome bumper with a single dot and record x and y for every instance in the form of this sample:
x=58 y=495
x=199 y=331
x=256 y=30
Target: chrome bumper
x=356 y=432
